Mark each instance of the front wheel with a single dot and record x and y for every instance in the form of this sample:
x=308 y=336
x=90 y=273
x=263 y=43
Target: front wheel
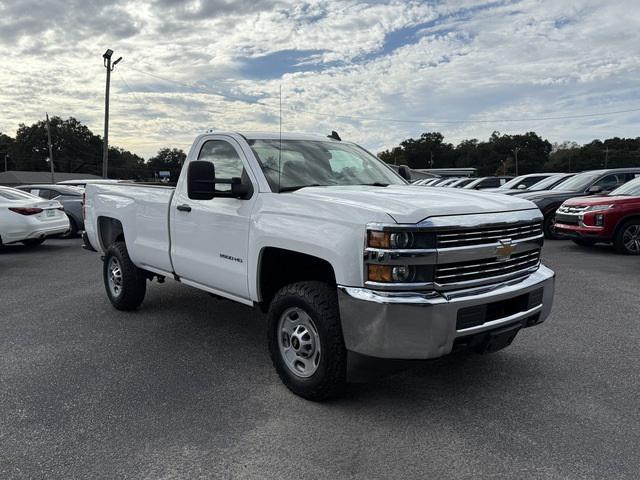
x=125 y=283
x=628 y=238
x=305 y=340
x=549 y=227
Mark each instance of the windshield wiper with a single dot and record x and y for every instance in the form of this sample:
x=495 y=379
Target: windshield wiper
x=298 y=187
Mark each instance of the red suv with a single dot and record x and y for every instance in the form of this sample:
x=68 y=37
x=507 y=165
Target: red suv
x=612 y=218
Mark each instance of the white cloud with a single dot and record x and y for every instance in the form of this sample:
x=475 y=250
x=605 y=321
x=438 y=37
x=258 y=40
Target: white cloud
x=459 y=60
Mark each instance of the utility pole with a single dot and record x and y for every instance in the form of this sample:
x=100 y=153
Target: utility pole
x=606 y=157
x=515 y=152
x=50 y=147
x=6 y=158
x=106 y=56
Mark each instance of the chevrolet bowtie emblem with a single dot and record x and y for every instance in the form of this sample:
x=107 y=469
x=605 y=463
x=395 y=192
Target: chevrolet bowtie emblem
x=504 y=249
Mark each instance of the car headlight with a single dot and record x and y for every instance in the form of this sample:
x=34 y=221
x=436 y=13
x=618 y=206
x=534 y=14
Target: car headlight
x=400 y=240
x=598 y=208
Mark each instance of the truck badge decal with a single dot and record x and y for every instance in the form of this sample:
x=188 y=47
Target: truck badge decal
x=229 y=257
x=504 y=249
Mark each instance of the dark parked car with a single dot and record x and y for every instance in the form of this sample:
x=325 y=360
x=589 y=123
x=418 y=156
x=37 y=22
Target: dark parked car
x=613 y=218
x=70 y=198
x=545 y=184
x=521 y=182
x=487 y=182
x=585 y=183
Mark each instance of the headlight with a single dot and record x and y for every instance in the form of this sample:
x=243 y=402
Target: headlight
x=399 y=273
x=400 y=240
x=597 y=208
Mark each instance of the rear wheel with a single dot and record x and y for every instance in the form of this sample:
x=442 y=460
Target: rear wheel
x=125 y=283
x=33 y=242
x=628 y=238
x=305 y=340
x=73 y=229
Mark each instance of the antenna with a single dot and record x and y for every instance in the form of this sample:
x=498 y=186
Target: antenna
x=280 y=142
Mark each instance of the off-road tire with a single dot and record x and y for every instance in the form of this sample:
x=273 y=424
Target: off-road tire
x=33 y=242
x=134 y=281
x=320 y=301
x=619 y=243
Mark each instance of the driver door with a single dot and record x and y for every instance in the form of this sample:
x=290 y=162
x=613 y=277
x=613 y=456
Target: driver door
x=210 y=237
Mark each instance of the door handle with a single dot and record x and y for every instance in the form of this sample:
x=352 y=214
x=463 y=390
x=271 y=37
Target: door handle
x=184 y=208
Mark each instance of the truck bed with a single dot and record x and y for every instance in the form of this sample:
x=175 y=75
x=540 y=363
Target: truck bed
x=143 y=211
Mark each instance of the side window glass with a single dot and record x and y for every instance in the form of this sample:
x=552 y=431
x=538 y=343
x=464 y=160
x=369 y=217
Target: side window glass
x=608 y=183
x=35 y=191
x=226 y=160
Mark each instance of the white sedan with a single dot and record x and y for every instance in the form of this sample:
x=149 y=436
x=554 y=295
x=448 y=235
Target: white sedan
x=29 y=219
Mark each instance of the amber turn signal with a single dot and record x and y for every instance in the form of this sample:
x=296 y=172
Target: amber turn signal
x=380 y=273
x=379 y=239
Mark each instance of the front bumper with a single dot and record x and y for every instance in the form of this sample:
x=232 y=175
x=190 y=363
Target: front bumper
x=585 y=232
x=406 y=325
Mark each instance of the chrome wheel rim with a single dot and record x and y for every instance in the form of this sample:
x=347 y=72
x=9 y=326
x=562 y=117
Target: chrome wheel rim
x=114 y=276
x=631 y=238
x=299 y=342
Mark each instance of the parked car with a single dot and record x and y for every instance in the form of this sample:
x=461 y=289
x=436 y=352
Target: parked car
x=70 y=197
x=82 y=183
x=483 y=183
x=545 y=184
x=585 y=183
x=29 y=219
x=521 y=182
x=461 y=182
x=448 y=182
x=612 y=218
x=350 y=262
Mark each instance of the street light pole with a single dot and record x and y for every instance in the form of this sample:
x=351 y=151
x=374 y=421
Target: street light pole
x=106 y=56
x=50 y=148
x=515 y=151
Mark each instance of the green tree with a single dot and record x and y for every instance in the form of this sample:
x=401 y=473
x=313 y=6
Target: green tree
x=167 y=159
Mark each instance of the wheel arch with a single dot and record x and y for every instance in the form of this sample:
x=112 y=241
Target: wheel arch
x=278 y=267
x=109 y=231
x=623 y=221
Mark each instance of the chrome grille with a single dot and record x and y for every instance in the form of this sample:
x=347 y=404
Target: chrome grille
x=462 y=237
x=450 y=274
x=571 y=210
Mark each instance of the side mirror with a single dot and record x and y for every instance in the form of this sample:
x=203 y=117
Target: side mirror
x=404 y=172
x=201 y=180
x=239 y=189
x=595 y=189
x=522 y=187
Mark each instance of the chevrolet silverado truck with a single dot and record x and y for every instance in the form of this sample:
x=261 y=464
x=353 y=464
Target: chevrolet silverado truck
x=349 y=261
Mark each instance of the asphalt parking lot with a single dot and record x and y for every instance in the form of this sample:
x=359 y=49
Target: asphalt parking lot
x=184 y=388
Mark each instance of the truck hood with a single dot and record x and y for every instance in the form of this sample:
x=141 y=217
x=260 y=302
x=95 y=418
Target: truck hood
x=412 y=204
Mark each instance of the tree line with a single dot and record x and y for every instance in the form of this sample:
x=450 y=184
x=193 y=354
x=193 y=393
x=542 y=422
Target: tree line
x=77 y=149
x=497 y=156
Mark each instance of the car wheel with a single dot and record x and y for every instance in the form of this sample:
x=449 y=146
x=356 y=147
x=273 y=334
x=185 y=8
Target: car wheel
x=628 y=238
x=33 y=242
x=305 y=340
x=583 y=243
x=73 y=229
x=549 y=227
x=125 y=283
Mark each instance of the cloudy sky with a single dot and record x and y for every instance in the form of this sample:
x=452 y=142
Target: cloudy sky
x=377 y=72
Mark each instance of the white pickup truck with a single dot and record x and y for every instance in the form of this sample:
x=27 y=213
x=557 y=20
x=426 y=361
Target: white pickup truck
x=350 y=261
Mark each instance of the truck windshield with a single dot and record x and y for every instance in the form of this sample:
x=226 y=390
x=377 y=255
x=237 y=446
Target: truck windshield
x=293 y=164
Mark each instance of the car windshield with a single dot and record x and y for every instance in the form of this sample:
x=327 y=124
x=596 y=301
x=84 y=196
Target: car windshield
x=547 y=183
x=292 y=164
x=578 y=183
x=631 y=188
